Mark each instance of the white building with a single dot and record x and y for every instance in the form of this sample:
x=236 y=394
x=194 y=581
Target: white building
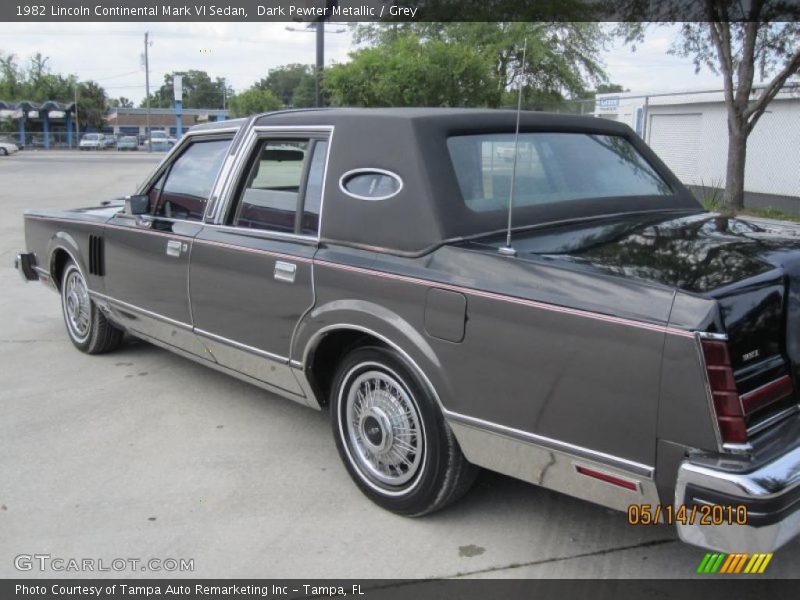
x=689 y=131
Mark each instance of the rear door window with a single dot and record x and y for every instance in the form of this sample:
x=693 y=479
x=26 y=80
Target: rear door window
x=285 y=177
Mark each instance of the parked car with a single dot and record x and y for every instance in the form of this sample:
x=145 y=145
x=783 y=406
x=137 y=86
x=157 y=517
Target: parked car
x=628 y=348
x=128 y=142
x=92 y=141
x=161 y=140
x=7 y=147
x=110 y=140
x=7 y=139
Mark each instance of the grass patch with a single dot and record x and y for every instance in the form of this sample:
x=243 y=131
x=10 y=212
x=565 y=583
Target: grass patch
x=715 y=205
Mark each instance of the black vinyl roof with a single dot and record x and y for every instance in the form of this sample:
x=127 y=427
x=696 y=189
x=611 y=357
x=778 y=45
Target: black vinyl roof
x=452 y=118
x=412 y=143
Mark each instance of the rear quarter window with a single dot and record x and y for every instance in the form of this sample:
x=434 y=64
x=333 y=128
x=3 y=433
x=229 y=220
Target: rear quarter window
x=551 y=167
x=371 y=184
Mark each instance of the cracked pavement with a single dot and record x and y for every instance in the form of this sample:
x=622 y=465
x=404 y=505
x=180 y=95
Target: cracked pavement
x=141 y=453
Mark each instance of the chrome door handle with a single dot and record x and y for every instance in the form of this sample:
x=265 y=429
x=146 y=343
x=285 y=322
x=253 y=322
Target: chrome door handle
x=285 y=271
x=173 y=248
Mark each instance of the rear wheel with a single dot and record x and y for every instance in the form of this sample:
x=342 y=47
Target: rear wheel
x=3 y=152
x=392 y=437
x=89 y=330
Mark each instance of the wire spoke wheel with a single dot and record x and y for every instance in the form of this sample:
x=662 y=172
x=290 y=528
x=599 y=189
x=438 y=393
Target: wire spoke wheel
x=383 y=429
x=77 y=305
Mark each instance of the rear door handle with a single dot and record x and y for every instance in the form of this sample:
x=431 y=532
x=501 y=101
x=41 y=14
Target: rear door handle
x=285 y=271
x=174 y=248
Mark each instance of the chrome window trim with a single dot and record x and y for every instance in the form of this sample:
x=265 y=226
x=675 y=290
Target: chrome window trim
x=263 y=233
x=252 y=137
x=162 y=167
x=366 y=170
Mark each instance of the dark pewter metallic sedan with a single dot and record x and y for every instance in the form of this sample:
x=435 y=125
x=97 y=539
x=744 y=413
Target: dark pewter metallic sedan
x=632 y=350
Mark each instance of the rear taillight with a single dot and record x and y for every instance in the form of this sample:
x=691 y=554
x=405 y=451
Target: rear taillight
x=727 y=404
x=731 y=408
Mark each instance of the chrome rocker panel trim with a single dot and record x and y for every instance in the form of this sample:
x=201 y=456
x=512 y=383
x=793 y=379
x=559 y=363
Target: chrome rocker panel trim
x=553 y=466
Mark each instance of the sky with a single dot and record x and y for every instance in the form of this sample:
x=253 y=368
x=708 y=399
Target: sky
x=110 y=53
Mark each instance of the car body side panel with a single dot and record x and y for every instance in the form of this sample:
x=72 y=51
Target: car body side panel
x=685 y=415
x=551 y=372
x=47 y=232
x=143 y=270
x=244 y=306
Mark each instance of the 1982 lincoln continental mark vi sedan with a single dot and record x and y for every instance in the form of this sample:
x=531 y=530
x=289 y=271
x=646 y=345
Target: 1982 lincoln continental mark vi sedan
x=627 y=348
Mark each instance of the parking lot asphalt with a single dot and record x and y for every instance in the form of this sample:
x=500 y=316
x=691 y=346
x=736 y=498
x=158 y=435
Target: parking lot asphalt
x=143 y=454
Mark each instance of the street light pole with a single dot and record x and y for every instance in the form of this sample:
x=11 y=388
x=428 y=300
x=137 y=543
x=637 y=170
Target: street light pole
x=147 y=89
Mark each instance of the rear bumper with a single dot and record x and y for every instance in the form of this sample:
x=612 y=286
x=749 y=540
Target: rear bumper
x=770 y=494
x=24 y=263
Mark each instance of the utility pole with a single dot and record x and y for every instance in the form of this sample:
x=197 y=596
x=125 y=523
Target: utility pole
x=147 y=89
x=320 y=25
x=77 y=125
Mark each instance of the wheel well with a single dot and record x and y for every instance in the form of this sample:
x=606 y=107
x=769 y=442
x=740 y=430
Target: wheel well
x=57 y=264
x=325 y=358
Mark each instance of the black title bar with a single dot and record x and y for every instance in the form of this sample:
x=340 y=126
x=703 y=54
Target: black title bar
x=65 y=11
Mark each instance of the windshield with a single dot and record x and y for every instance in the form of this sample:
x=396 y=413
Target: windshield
x=551 y=168
x=92 y=136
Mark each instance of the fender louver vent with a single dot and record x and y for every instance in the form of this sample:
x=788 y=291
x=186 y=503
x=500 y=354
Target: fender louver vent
x=96 y=256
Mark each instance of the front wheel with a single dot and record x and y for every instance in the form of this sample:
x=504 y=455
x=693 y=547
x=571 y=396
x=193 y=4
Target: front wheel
x=89 y=330
x=392 y=437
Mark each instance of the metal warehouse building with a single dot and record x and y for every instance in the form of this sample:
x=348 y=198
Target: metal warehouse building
x=689 y=131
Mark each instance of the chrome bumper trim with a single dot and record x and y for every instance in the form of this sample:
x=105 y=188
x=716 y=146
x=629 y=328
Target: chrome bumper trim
x=773 y=484
x=25 y=264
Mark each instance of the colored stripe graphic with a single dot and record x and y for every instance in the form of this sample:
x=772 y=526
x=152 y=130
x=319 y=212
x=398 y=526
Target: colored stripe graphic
x=727 y=564
x=737 y=563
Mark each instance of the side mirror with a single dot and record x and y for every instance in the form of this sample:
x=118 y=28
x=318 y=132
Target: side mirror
x=137 y=205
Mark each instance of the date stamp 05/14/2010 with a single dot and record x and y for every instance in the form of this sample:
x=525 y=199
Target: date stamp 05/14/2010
x=681 y=514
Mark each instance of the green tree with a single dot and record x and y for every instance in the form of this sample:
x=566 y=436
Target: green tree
x=286 y=80
x=305 y=94
x=121 y=102
x=92 y=104
x=737 y=41
x=405 y=70
x=562 y=58
x=11 y=79
x=199 y=91
x=253 y=100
